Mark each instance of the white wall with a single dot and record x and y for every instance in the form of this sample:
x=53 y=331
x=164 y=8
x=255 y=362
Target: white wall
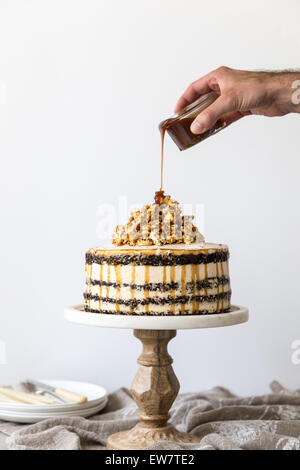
x=86 y=84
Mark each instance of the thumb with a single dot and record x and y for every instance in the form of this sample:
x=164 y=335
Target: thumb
x=207 y=118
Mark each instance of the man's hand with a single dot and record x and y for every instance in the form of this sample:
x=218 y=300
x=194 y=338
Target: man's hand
x=241 y=93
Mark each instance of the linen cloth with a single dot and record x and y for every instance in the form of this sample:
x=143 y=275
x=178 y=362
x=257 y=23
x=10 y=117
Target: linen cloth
x=219 y=418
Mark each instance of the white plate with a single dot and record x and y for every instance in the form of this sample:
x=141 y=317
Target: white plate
x=94 y=393
x=49 y=409
x=29 y=418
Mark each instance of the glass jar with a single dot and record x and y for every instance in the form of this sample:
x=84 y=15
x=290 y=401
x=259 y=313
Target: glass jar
x=178 y=125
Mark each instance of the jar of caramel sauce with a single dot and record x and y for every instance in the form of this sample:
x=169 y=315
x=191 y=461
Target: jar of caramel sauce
x=178 y=125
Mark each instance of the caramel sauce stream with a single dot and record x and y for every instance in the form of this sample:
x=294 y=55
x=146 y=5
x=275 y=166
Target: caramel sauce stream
x=162 y=134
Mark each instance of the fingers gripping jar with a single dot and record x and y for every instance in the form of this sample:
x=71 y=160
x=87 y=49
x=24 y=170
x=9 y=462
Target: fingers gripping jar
x=178 y=125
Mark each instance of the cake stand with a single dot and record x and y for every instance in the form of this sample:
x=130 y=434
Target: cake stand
x=155 y=386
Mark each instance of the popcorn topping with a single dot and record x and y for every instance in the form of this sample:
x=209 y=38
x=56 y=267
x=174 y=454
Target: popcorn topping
x=160 y=223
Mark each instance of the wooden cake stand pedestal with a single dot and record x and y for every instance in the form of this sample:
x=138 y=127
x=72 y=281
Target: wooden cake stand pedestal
x=155 y=386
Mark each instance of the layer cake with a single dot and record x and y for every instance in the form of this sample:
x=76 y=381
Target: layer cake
x=147 y=275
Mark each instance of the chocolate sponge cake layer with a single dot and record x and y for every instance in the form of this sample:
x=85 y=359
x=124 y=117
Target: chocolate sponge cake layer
x=167 y=259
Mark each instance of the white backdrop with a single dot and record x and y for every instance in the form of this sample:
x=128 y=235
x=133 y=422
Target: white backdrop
x=84 y=86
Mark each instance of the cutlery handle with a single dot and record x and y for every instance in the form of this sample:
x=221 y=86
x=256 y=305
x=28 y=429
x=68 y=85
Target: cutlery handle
x=5 y=399
x=71 y=395
x=23 y=397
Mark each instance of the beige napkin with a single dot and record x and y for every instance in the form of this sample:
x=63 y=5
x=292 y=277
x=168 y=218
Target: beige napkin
x=220 y=419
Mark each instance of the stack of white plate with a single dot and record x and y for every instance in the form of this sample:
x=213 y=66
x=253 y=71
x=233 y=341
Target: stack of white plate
x=22 y=413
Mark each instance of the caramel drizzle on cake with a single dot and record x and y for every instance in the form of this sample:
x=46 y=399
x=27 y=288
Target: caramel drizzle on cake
x=132 y=285
x=222 y=274
x=197 y=274
x=118 y=273
x=146 y=291
x=164 y=278
x=183 y=285
x=158 y=283
x=206 y=276
x=172 y=279
x=218 y=287
x=108 y=281
x=100 y=285
x=90 y=285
